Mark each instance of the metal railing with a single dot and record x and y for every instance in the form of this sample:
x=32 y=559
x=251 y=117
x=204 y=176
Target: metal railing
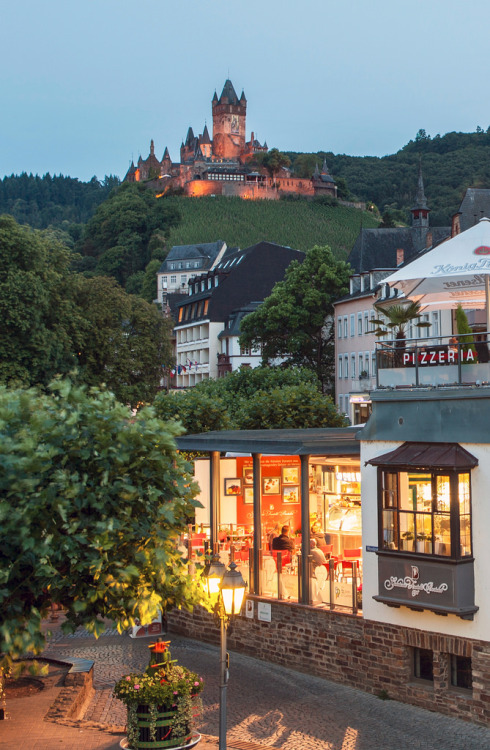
x=434 y=360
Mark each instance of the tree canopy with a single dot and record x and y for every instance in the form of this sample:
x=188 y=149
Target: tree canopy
x=54 y=320
x=125 y=230
x=262 y=398
x=125 y=342
x=92 y=501
x=36 y=310
x=52 y=200
x=296 y=321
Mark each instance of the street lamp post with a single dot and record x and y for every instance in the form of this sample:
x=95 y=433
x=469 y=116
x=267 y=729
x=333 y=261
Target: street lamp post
x=230 y=586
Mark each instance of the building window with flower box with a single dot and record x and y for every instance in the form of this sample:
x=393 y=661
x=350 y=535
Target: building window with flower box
x=425 y=556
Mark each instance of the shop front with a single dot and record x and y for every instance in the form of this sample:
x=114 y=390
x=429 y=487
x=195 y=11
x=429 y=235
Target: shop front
x=286 y=505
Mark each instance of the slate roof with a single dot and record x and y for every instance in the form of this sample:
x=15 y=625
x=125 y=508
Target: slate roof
x=235 y=318
x=246 y=276
x=474 y=206
x=205 y=136
x=229 y=92
x=209 y=250
x=376 y=248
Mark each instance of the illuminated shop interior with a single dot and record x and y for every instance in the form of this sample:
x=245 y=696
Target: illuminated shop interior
x=254 y=483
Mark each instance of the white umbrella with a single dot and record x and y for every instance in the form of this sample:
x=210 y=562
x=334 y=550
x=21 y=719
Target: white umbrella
x=455 y=272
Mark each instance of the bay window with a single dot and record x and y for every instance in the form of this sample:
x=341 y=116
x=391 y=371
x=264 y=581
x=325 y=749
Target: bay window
x=426 y=512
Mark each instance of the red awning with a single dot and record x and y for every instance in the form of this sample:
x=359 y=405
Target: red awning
x=427 y=456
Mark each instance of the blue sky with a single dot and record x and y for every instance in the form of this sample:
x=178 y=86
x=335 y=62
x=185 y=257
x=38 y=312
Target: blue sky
x=84 y=86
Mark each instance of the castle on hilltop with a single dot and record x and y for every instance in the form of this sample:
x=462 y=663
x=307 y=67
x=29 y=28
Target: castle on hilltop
x=222 y=165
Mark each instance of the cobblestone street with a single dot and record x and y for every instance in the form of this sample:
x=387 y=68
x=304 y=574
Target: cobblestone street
x=271 y=705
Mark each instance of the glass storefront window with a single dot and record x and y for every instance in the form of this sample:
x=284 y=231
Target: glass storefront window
x=416 y=512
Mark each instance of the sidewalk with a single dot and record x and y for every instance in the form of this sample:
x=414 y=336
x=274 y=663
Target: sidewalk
x=268 y=706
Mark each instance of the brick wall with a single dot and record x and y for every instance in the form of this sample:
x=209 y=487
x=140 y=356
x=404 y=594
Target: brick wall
x=344 y=648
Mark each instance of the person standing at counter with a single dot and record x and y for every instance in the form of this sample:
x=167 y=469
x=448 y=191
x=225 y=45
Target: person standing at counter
x=283 y=541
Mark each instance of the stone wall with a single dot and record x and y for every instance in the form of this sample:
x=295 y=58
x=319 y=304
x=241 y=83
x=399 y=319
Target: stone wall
x=344 y=648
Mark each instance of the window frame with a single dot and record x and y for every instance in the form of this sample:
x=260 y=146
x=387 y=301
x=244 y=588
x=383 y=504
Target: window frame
x=455 y=552
x=454 y=514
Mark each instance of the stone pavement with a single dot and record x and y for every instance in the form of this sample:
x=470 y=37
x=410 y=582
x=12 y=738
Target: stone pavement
x=267 y=706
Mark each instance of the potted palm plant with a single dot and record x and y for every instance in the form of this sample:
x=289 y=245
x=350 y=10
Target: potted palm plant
x=397 y=319
x=163 y=703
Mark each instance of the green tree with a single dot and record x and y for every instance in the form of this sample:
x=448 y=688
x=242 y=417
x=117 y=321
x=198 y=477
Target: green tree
x=262 y=398
x=149 y=289
x=291 y=407
x=274 y=160
x=37 y=313
x=465 y=332
x=125 y=342
x=125 y=229
x=92 y=500
x=296 y=321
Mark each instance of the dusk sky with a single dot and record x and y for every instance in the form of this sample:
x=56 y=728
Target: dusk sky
x=84 y=86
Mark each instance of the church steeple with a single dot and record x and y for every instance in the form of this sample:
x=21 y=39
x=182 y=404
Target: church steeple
x=420 y=214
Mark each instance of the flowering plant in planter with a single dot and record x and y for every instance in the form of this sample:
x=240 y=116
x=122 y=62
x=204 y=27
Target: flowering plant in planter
x=163 y=701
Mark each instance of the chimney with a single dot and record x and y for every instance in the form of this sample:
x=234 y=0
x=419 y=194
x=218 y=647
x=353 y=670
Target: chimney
x=399 y=256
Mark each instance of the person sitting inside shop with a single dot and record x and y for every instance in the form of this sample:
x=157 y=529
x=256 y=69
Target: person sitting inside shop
x=318 y=557
x=317 y=534
x=283 y=541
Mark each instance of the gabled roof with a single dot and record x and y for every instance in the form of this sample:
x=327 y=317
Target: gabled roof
x=376 y=248
x=207 y=250
x=475 y=205
x=235 y=318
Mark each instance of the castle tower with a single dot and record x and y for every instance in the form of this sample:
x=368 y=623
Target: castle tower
x=229 y=121
x=420 y=215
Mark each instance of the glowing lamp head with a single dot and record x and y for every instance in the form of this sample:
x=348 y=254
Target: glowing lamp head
x=212 y=575
x=232 y=590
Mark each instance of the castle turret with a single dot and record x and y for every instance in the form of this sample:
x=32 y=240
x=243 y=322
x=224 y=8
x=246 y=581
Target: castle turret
x=229 y=123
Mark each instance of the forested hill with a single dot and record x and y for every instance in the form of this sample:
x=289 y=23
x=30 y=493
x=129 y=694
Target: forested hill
x=50 y=201
x=450 y=164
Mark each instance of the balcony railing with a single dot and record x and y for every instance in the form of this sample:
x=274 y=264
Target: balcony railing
x=435 y=360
